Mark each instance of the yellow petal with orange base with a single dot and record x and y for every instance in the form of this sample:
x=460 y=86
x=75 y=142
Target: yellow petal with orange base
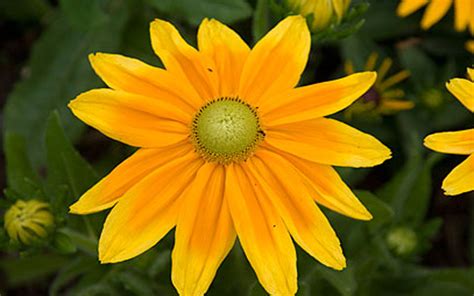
x=328 y=141
x=183 y=60
x=305 y=221
x=132 y=119
x=147 y=211
x=228 y=51
x=110 y=189
x=316 y=100
x=277 y=61
x=262 y=234
x=204 y=232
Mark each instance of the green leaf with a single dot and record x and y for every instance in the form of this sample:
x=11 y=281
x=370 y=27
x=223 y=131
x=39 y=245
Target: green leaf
x=261 y=22
x=58 y=70
x=382 y=213
x=65 y=166
x=69 y=272
x=85 y=14
x=63 y=243
x=136 y=283
x=421 y=67
x=343 y=281
x=24 y=10
x=19 y=271
x=227 y=11
x=22 y=180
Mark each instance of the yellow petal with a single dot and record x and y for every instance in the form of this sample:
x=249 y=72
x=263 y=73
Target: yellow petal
x=407 y=7
x=228 y=51
x=277 y=60
x=134 y=76
x=147 y=211
x=262 y=234
x=305 y=221
x=111 y=188
x=328 y=189
x=463 y=11
x=460 y=142
x=470 y=71
x=435 y=11
x=461 y=179
x=316 y=100
x=132 y=119
x=463 y=90
x=204 y=232
x=328 y=141
x=182 y=60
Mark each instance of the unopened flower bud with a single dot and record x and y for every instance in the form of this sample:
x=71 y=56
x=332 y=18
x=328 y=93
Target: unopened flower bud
x=28 y=221
x=402 y=240
x=323 y=11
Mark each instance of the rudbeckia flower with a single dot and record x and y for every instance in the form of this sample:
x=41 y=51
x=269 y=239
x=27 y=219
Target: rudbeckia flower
x=461 y=179
x=382 y=98
x=228 y=148
x=437 y=9
x=324 y=12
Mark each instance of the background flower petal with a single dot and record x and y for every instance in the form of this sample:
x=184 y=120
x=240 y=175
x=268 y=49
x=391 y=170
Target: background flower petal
x=460 y=180
x=460 y=142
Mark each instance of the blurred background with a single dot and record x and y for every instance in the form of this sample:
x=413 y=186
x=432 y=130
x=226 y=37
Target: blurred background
x=420 y=242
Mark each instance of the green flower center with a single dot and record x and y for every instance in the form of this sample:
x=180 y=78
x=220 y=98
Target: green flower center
x=226 y=130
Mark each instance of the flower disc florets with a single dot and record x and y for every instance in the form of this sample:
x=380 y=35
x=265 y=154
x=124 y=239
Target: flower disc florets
x=226 y=130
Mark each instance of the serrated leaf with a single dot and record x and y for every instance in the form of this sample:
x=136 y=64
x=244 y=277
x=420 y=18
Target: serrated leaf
x=84 y=14
x=69 y=272
x=422 y=68
x=58 y=70
x=382 y=213
x=227 y=11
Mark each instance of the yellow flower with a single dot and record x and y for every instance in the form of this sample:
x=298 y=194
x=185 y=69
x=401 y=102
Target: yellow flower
x=229 y=148
x=28 y=221
x=437 y=9
x=323 y=11
x=470 y=46
x=381 y=98
x=460 y=180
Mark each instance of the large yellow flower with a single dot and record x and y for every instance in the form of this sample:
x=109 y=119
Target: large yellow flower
x=437 y=9
x=461 y=179
x=229 y=148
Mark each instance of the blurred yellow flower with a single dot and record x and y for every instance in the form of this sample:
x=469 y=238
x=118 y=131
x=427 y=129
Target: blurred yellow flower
x=437 y=9
x=461 y=179
x=470 y=46
x=229 y=148
x=382 y=98
x=28 y=221
x=324 y=11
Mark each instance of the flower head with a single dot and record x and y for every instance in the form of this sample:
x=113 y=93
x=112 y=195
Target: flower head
x=460 y=180
x=382 y=98
x=229 y=147
x=324 y=12
x=437 y=9
x=28 y=221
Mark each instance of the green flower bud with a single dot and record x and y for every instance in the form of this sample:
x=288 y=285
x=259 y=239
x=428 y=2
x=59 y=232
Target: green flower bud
x=433 y=98
x=28 y=221
x=402 y=240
